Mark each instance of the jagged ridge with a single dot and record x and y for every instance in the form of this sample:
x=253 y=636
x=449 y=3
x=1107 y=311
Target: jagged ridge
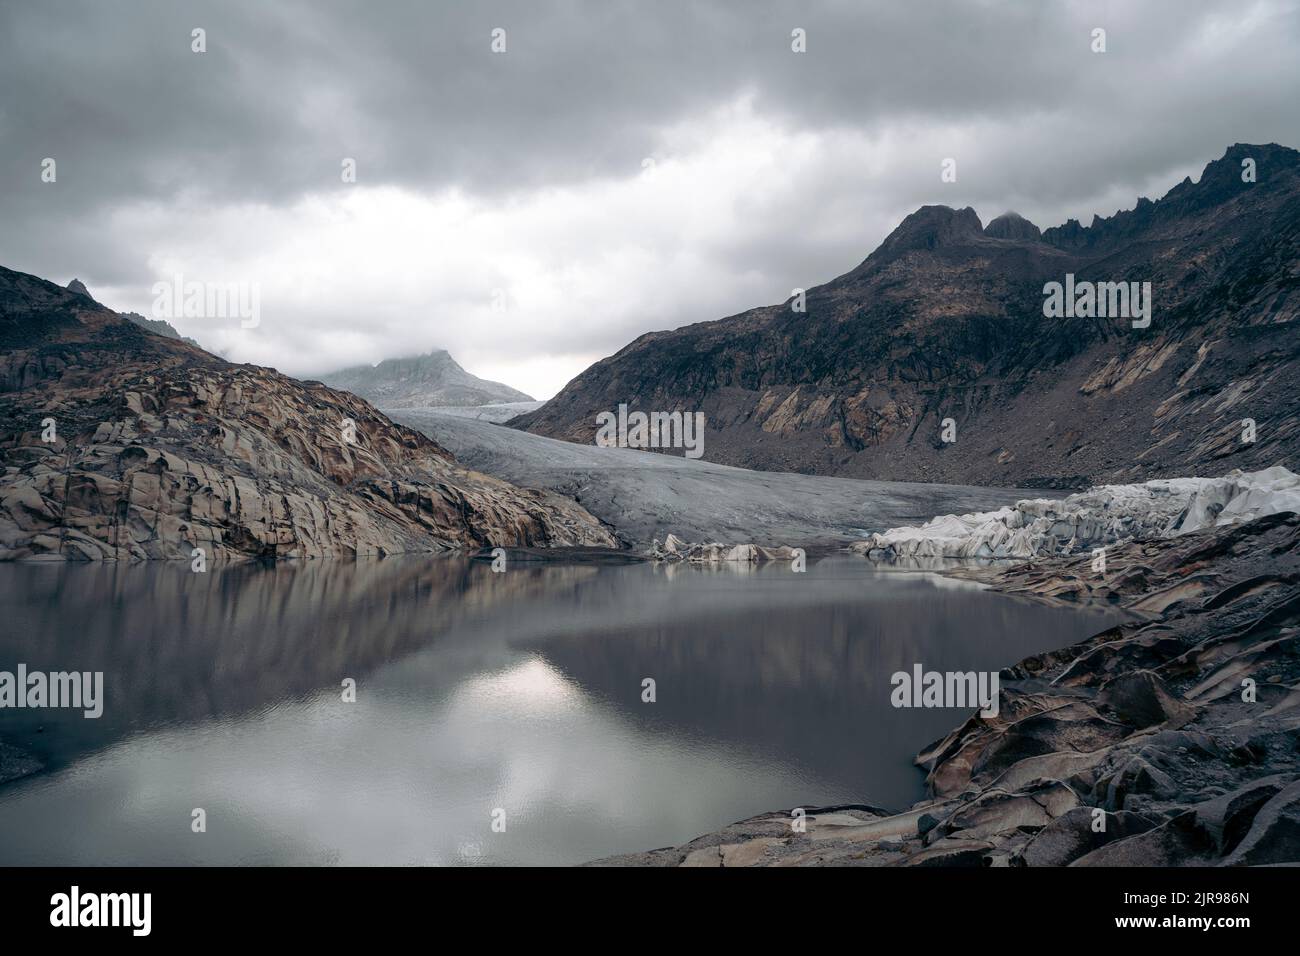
x=945 y=320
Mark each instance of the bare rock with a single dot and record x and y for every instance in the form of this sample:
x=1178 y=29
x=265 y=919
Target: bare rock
x=1139 y=698
x=159 y=448
x=1074 y=834
x=1274 y=835
x=1144 y=723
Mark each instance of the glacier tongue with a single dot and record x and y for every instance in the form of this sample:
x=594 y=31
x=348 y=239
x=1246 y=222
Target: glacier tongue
x=1100 y=516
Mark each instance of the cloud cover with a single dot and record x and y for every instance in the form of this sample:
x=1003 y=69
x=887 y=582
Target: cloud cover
x=522 y=178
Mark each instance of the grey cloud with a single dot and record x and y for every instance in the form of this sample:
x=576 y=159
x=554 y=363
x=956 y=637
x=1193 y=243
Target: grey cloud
x=410 y=89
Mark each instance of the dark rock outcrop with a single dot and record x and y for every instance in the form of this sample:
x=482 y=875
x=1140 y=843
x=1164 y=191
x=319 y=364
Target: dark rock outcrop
x=945 y=320
x=158 y=327
x=122 y=444
x=1012 y=226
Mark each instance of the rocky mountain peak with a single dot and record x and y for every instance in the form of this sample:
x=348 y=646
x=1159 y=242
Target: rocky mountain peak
x=931 y=227
x=945 y=320
x=1012 y=225
x=1226 y=170
x=432 y=379
x=1220 y=182
x=156 y=326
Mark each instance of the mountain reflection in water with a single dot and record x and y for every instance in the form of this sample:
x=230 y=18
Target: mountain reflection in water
x=475 y=691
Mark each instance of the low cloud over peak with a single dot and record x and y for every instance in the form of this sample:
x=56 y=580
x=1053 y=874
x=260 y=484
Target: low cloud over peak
x=619 y=168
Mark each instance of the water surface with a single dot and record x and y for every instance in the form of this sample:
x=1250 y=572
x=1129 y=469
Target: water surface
x=476 y=691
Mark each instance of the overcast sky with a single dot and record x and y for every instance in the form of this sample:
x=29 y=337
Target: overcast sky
x=526 y=171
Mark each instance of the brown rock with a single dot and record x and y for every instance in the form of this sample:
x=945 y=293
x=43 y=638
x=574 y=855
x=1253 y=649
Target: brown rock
x=163 y=448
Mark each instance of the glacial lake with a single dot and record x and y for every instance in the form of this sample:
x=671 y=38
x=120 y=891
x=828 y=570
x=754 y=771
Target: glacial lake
x=475 y=692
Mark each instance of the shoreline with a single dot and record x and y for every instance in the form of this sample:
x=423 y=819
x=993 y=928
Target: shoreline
x=1134 y=747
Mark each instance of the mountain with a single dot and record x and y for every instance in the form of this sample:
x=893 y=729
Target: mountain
x=946 y=320
x=422 y=381
x=157 y=326
x=118 y=443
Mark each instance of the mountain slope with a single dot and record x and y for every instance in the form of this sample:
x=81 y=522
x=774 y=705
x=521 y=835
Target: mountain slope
x=422 y=381
x=945 y=320
x=157 y=326
x=159 y=447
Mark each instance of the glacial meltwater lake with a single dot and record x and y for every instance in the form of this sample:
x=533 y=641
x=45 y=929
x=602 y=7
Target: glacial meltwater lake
x=475 y=692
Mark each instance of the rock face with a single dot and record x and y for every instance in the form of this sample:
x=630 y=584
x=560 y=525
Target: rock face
x=1167 y=741
x=121 y=444
x=1013 y=226
x=1099 y=517
x=157 y=326
x=945 y=321
x=424 y=381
